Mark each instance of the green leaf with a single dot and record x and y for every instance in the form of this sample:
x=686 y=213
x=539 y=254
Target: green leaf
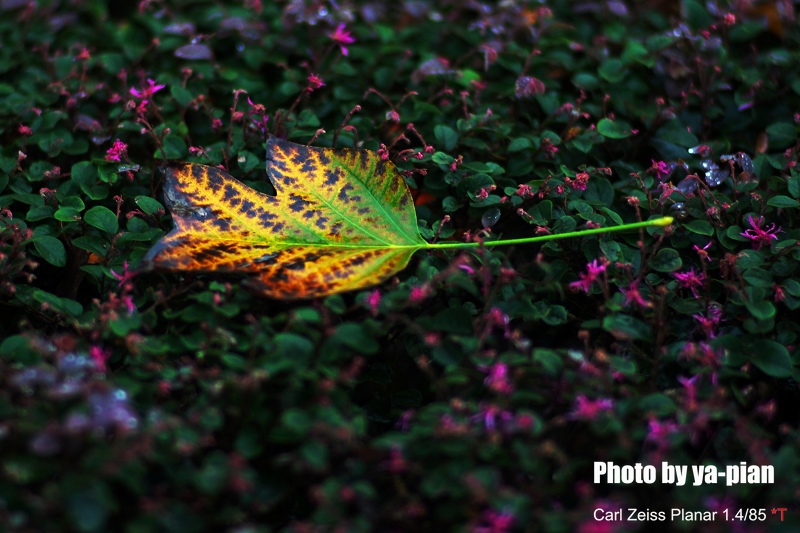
x=657 y=403
x=61 y=305
x=626 y=327
x=520 y=143
x=667 y=260
x=102 y=218
x=51 y=249
x=149 y=205
x=771 y=358
x=781 y=135
x=782 y=201
x=701 y=227
x=612 y=70
x=761 y=310
x=445 y=136
x=613 y=129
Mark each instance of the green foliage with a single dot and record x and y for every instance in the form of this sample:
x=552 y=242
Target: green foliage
x=471 y=391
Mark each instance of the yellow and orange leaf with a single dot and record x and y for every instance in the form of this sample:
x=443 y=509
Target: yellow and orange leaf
x=342 y=220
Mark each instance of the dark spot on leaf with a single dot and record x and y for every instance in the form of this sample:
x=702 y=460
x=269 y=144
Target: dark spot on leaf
x=222 y=224
x=296 y=265
x=363 y=210
x=300 y=156
x=266 y=258
x=298 y=203
x=343 y=193
x=247 y=207
x=321 y=222
x=309 y=214
x=331 y=177
x=278 y=227
x=230 y=192
x=265 y=217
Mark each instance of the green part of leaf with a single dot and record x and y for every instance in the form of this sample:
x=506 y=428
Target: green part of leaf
x=51 y=249
x=445 y=136
x=667 y=260
x=772 y=358
x=701 y=227
x=626 y=327
x=613 y=129
x=149 y=205
x=782 y=201
x=102 y=218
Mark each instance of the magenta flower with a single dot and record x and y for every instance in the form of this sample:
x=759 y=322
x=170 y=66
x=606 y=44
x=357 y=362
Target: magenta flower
x=373 y=301
x=148 y=91
x=759 y=236
x=99 y=357
x=125 y=277
x=690 y=387
x=658 y=432
x=661 y=170
x=586 y=409
x=494 y=522
x=315 y=82
x=342 y=37
x=117 y=150
x=497 y=380
x=690 y=280
x=593 y=271
x=632 y=294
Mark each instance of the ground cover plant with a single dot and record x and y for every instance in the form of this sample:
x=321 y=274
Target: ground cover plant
x=473 y=390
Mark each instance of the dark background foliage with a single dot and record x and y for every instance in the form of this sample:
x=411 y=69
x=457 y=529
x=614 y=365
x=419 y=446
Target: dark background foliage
x=475 y=390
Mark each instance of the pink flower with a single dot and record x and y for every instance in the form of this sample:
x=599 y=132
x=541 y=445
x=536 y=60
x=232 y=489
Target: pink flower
x=148 y=91
x=315 y=82
x=708 y=323
x=661 y=170
x=525 y=191
x=632 y=294
x=759 y=236
x=548 y=148
x=373 y=301
x=497 y=380
x=418 y=293
x=658 y=432
x=586 y=409
x=690 y=280
x=125 y=277
x=593 y=271
x=702 y=251
x=342 y=37
x=99 y=357
x=690 y=386
x=117 y=150
x=25 y=130
x=494 y=522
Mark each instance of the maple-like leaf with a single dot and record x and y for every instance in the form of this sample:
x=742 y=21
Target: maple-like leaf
x=342 y=219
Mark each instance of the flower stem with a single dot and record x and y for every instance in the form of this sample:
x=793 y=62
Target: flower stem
x=663 y=221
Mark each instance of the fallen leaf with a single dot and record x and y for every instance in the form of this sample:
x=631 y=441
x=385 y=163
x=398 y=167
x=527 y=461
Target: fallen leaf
x=342 y=220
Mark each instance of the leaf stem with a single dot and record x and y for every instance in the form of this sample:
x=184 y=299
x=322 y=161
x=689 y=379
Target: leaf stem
x=663 y=221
